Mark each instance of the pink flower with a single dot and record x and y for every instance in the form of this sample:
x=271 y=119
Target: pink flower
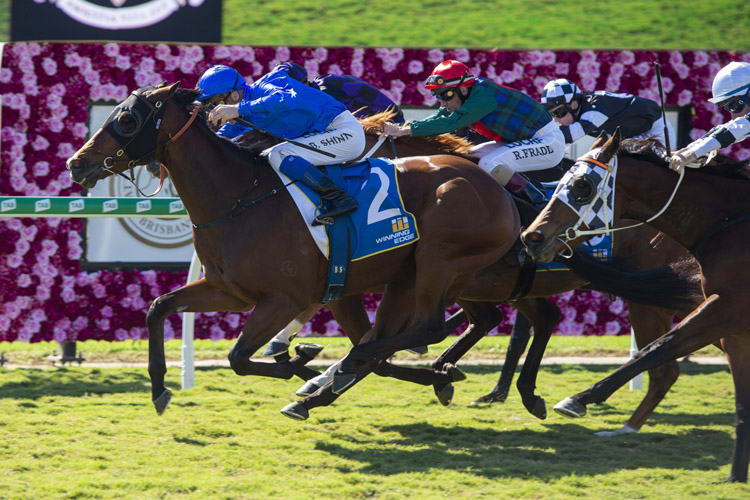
x=12 y=310
x=4 y=323
x=121 y=334
x=58 y=89
x=507 y=76
x=68 y=295
x=75 y=253
x=6 y=75
x=357 y=68
x=548 y=57
x=49 y=66
x=221 y=52
x=136 y=333
x=534 y=57
x=588 y=84
x=42 y=293
x=589 y=317
x=675 y=57
x=613 y=83
x=80 y=130
x=415 y=67
x=217 y=333
x=682 y=70
x=233 y=320
x=18 y=184
x=612 y=328
x=23 y=281
x=282 y=53
x=38 y=315
x=111 y=49
x=700 y=59
x=39 y=144
x=641 y=69
x=435 y=56
x=80 y=323
x=320 y=54
x=461 y=55
x=102 y=324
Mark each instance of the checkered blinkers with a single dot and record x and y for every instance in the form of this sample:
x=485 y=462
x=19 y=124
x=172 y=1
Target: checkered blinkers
x=601 y=212
x=560 y=91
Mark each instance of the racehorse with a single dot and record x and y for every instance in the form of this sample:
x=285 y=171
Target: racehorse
x=260 y=254
x=645 y=247
x=708 y=216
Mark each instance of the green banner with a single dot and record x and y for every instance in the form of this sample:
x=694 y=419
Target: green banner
x=64 y=206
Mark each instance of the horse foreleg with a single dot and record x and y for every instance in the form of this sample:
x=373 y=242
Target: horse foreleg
x=198 y=296
x=698 y=330
x=738 y=353
x=544 y=316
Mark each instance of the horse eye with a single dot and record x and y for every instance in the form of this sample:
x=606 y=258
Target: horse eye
x=581 y=189
x=127 y=122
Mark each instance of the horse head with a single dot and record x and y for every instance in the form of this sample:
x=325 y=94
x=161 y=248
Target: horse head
x=128 y=137
x=555 y=229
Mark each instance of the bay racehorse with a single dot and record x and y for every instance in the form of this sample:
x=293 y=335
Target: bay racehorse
x=708 y=215
x=645 y=247
x=259 y=253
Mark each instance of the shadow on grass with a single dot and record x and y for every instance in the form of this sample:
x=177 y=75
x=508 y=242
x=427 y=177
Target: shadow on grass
x=34 y=384
x=561 y=450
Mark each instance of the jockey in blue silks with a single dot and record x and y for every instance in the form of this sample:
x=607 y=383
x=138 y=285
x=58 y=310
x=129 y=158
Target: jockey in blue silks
x=289 y=109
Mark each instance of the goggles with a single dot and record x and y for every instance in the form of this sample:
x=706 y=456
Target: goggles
x=737 y=104
x=445 y=94
x=560 y=112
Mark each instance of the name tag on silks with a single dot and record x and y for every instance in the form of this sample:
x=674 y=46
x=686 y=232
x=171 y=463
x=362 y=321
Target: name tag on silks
x=599 y=247
x=381 y=222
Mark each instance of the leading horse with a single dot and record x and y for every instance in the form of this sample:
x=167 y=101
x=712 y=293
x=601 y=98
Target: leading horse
x=708 y=215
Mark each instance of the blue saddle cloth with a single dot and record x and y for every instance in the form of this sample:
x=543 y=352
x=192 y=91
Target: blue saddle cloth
x=381 y=222
x=599 y=247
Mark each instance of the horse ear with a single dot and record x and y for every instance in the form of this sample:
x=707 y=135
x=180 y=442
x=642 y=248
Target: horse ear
x=600 y=140
x=610 y=147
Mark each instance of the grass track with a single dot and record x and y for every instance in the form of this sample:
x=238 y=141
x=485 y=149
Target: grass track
x=90 y=433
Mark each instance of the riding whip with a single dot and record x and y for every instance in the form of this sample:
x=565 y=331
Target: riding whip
x=663 y=113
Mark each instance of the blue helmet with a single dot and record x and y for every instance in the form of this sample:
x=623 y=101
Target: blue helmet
x=219 y=79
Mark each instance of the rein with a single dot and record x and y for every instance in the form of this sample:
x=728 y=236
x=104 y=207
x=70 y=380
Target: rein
x=574 y=232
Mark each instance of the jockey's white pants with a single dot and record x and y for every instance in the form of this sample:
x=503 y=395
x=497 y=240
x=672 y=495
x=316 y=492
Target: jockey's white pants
x=344 y=138
x=544 y=150
x=657 y=132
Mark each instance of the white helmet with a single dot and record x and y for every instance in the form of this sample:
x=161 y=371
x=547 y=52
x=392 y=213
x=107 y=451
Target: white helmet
x=731 y=81
x=560 y=91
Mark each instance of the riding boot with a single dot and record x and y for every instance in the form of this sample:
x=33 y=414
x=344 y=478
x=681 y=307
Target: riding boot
x=338 y=201
x=521 y=185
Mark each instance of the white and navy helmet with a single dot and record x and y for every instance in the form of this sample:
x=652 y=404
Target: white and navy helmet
x=731 y=82
x=560 y=91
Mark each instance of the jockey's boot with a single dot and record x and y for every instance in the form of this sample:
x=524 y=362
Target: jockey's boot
x=339 y=202
x=520 y=185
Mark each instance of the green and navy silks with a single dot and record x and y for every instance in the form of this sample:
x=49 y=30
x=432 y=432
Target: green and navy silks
x=381 y=223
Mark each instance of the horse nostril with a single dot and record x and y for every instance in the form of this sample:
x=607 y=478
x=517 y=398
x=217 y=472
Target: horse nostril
x=75 y=163
x=532 y=239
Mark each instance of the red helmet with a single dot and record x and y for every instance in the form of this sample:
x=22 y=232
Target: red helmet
x=450 y=74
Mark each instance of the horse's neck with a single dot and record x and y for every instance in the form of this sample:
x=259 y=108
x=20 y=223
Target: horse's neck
x=643 y=189
x=210 y=176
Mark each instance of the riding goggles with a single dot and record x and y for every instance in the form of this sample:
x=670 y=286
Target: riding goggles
x=445 y=94
x=737 y=104
x=560 y=112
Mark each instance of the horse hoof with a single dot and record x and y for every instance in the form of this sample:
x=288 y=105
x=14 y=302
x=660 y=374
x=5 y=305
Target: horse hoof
x=454 y=372
x=625 y=429
x=162 y=401
x=419 y=350
x=295 y=411
x=490 y=398
x=540 y=409
x=274 y=348
x=307 y=389
x=308 y=349
x=571 y=408
x=341 y=382
x=445 y=395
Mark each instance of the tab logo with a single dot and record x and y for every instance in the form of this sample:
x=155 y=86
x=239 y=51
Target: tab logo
x=42 y=205
x=76 y=206
x=143 y=206
x=8 y=205
x=176 y=206
x=109 y=206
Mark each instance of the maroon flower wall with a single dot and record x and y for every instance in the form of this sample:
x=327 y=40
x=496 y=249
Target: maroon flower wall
x=46 y=88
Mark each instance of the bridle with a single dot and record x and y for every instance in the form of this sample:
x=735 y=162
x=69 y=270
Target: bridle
x=143 y=112
x=574 y=232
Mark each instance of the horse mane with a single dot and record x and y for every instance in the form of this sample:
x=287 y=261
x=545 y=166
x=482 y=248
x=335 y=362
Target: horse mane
x=653 y=151
x=251 y=142
x=443 y=143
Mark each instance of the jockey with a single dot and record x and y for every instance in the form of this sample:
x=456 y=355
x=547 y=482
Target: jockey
x=359 y=97
x=731 y=90
x=283 y=106
x=523 y=136
x=590 y=113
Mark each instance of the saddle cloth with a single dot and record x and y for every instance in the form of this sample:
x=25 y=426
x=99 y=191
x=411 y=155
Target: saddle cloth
x=381 y=222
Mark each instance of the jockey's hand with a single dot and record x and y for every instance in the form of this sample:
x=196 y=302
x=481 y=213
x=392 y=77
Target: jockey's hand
x=393 y=130
x=223 y=113
x=680 y=159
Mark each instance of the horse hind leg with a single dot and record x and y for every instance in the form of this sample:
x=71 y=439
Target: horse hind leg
x=738 y=353
x=198 y=296
x=519 y=339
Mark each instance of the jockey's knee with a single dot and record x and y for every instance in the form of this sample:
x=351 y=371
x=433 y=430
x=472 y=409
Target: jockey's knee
x=501 y=173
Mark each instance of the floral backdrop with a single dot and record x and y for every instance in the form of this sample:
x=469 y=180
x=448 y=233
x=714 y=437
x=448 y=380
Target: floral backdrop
x=46 y=89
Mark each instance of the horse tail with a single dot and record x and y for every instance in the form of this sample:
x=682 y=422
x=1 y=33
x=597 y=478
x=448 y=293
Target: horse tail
x=674 y=286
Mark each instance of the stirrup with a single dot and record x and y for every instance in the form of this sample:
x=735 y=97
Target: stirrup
x=322 y=221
